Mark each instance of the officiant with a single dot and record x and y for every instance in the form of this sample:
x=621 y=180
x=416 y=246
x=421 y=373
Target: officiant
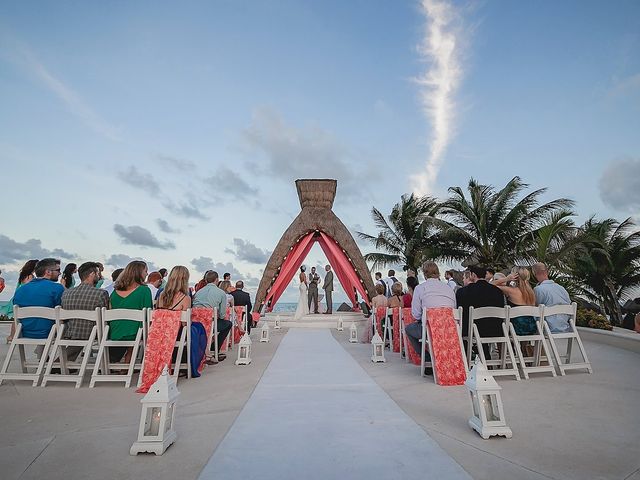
x=314 y=281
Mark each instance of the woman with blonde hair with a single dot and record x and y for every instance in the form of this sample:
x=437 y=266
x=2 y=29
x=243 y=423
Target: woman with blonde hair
x=175 y=295
x=518 y=291
x=225 y=286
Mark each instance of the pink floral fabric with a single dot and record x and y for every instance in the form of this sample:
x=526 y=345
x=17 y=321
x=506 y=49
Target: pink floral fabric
x=414 y=356
x=160 y=343
x=396 y=329
x=380 y=313
x=205 y=317
x=445 y=347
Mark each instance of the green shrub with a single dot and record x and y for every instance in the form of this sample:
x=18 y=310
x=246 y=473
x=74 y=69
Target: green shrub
x=591 y=319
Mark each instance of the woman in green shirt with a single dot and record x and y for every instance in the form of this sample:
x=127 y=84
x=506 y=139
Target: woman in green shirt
x=129 y=292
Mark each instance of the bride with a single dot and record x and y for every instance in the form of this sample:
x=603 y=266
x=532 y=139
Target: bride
x=303 y=302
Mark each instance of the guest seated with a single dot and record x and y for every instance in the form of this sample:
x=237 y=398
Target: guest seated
x=130 y=292
x=412 y=283
x=27 y=273
x=431 y=294
x=175 y=295
x=210 y=296
x=225 y=286
x=154 y=281
x=202 y=282
x=395 y=300
x=379 y=300
x=480 y=293
x=42 y=291
x=519 y=293
x=85 y=296
x=549 y=293
x=242 y=299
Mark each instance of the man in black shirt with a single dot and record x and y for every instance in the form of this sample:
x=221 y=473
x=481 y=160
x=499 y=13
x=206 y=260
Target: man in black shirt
x=480 y=293
x=241 y=299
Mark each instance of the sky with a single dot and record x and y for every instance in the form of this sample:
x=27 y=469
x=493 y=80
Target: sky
x=175 y=132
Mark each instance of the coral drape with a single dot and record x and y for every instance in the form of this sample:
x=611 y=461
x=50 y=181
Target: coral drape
x=342 y=268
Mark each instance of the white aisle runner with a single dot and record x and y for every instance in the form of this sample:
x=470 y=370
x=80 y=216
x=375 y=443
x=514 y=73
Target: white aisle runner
x=316 y=414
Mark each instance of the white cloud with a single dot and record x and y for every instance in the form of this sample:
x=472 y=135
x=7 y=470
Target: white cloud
x=441 y=49
x=620 y=185
x=312 y=152
x=230 y=182
x=165 y=227
x=12 y=251
x=136 y=235
x=186 y=209
x=23 y=56
x=143 y=181
x=248 y=252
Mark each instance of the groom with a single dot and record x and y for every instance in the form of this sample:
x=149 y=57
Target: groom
x=328 y=288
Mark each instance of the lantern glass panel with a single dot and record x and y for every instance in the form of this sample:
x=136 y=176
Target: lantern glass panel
x=169 y=419
x=490 y=405
x=474 y=403
x=379 y=350
x=243 y=352
x=152 y=422
x=264 y=334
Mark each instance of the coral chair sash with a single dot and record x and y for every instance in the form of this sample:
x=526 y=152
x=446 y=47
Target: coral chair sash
x=160 y=343
x=445 y=346
x=205 y=317
x=414 y=356
x=395 y=315
x=380 y=314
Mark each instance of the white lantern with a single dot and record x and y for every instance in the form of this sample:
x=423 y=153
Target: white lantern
x=353 y=333
x=264 y=333
x=244 y=350
x=156 y=431
x=340 y=324
x=486 y=402
x=278 y=323
x=378 y=349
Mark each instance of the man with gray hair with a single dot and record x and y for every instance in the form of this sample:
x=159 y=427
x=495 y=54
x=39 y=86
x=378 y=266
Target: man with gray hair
x=210 y=296
x=431 y=294
x=549 y=293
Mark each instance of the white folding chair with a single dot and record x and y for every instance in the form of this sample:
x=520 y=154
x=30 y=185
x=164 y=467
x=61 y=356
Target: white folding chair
x=20 y=313
x=61 y=344
x=387 y=331
x=183 y=343
x=102 y=370
x=213 y=337
x=570 y=336
x=457 y=316
x=540 y=344
x=506 y=352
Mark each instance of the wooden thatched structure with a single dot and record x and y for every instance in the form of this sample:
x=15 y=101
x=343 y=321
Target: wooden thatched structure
x=316 y=199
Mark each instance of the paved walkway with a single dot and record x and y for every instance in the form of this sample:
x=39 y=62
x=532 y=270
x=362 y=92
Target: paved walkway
x=316 y=414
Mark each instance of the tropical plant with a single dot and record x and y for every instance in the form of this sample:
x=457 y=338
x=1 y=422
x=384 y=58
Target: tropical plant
x=606 y=265
x=410 y=234
x=591 y=319
x=500 y=229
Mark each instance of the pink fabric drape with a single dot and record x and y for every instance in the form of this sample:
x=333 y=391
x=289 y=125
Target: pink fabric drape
x=288 y=269
x=395 y=312
x=445 y=345
x=205 y=317
x=414 y=356
x=160 y=343
x=343 y=268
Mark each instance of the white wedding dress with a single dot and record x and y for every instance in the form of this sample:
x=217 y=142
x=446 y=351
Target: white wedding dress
x=303 y=302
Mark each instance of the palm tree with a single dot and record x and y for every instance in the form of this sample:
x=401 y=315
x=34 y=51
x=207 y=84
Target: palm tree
x=496 y=226
x=410 y=235
x=607 y=263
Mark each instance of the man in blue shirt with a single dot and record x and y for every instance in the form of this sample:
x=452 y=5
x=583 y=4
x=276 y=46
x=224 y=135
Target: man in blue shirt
x=549 y=293
x=42 y=291
x=210 y=296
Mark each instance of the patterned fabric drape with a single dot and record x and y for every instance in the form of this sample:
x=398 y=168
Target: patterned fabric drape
x=445 y=346
x=395 y=312
x=160 y=343
x=205 y=317
x=414 y=356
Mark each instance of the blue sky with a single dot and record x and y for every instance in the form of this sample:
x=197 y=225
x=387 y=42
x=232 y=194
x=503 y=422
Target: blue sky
x=174 y=132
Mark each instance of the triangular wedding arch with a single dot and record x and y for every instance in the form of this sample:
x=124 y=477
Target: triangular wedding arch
x=315 y=223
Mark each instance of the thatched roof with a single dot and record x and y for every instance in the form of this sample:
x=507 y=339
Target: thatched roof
x=316 y=199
